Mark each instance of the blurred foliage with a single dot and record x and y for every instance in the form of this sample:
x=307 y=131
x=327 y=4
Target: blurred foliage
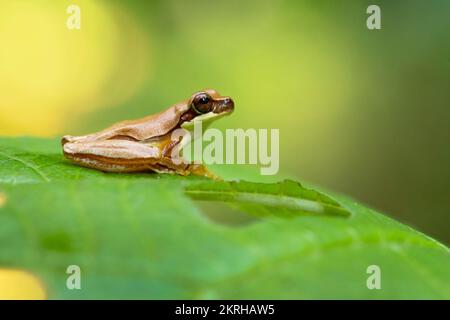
x=363 y=112
x=143 y=236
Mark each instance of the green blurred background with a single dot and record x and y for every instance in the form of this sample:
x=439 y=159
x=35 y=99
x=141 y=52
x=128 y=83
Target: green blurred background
x=362 y=112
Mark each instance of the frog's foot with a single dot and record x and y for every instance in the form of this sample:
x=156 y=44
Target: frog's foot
x=201 y=170
x=185 y=169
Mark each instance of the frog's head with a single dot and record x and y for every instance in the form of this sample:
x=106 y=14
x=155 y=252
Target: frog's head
x=210 y=101
x=206 y=106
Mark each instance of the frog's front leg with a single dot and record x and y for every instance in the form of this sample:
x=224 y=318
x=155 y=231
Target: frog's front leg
x=178 y=164
x=185 y=169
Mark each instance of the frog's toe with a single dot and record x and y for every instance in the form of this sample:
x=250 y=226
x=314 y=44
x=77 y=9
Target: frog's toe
x=203 y=171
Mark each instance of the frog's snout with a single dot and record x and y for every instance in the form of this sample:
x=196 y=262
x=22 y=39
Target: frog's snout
x=228 y=101
x=226 y=105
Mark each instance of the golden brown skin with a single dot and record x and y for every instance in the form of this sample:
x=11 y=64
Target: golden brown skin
x=145 y=144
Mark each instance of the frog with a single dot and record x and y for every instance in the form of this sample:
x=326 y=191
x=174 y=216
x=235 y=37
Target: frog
x=146 y=144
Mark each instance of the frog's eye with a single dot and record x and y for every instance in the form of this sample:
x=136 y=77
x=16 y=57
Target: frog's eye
x=201 y=104
x=203 y=99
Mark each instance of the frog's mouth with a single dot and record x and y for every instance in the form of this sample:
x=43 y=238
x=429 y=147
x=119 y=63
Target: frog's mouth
x=203 y=119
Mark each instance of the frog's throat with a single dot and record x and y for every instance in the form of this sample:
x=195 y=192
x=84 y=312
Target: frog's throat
x=205 y=120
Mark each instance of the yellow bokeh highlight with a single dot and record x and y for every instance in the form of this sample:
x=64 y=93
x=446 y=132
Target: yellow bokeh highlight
x=50 y=74
x=2 y=199
x=17 y=284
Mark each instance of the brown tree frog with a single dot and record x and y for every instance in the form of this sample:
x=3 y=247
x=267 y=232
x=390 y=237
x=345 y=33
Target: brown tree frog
x=146 y=144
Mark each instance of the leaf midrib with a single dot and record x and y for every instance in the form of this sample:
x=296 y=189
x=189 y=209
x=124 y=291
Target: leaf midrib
x=27 y=164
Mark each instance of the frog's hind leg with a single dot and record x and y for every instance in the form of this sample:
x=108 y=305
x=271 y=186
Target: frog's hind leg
x=113 y=156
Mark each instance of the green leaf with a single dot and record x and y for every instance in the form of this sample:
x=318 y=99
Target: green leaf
x=288 y=198
x=161 y=236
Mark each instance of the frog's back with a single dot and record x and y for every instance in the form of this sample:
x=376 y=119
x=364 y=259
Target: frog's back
x=150 y=126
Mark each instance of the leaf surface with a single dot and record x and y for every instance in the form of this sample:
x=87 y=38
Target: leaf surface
x=151 y=236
